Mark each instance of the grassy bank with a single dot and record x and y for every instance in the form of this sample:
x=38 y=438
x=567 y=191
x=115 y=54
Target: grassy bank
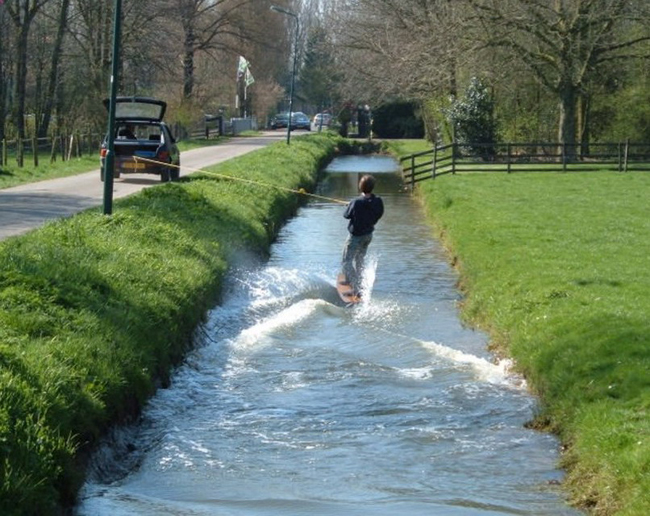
x=95 y=310
x=555 y=267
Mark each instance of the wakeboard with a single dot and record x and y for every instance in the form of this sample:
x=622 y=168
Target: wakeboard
x=345 y=291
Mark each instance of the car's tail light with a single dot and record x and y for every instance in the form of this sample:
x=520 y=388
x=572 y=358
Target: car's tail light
x=163 y=156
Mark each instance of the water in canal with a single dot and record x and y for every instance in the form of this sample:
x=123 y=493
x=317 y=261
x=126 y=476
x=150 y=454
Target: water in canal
x=295 y=405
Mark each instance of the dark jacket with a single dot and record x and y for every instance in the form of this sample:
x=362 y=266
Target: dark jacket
x=364 y=212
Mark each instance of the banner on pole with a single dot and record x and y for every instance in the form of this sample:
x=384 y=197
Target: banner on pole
x=249 y=77
x=242 y=67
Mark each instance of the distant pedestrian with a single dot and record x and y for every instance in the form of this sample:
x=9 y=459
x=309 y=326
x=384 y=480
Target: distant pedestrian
x=363 y=213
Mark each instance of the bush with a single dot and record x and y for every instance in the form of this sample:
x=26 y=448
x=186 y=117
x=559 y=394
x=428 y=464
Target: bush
x=472 y=118
x=397 y=120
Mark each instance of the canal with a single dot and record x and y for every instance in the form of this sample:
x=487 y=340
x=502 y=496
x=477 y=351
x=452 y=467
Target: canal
x=292 y=404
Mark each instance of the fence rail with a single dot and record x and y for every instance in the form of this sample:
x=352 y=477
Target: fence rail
x=66 y=147
x=62 y=147
x=524 y=157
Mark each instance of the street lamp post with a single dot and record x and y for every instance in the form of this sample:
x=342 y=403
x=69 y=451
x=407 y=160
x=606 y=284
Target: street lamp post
x=293 y=72
x=109 y=161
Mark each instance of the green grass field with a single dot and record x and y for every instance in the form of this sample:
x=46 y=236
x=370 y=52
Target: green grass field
x=94 y=309
x=555 y=267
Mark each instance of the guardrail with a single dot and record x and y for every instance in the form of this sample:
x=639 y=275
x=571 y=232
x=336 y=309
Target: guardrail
x=524 y=157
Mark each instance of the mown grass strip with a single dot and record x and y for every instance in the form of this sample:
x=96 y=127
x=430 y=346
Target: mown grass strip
x=95 y=310
x=555 y=266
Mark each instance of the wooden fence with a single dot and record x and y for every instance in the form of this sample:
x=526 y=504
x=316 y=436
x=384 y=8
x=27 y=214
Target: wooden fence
x=53 y=148
x=77 y=145
x=524 y=157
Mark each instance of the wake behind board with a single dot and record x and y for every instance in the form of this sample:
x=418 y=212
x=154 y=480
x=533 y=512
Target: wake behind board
x=345 y=291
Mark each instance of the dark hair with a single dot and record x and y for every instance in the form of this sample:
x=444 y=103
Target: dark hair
x=367 y=183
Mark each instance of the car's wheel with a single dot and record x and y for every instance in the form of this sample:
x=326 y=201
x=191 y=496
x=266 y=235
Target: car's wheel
x=174 y=174
x=164 y=175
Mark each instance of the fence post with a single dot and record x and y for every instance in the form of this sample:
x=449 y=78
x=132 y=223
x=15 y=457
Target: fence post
x=627 y=151
x=563 y=156
x=19 y=152
x=412 y=172
x=508 y=157
x=435 y=161
x=620 y=157
x=35 y=150
x=62 y=146
x=4 y=152
x=53 y=150
x=453 y=158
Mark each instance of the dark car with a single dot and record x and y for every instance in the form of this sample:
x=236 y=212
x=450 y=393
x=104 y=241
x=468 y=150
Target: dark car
x=141 y=133
x=300 y=121
x=280 y=120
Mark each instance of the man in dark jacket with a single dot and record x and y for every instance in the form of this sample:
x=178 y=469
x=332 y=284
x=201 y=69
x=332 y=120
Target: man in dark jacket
x=363 y=213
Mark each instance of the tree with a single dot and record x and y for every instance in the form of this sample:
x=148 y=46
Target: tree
x=318 y=74
x=48 y=102
x=407 y=48
x=22 y=14
x=206 y=25
x=565 y=43
x=403 y=50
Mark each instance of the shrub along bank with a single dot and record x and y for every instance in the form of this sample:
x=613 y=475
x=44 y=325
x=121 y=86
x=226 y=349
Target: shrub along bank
x=95 y=310
x=555 y=266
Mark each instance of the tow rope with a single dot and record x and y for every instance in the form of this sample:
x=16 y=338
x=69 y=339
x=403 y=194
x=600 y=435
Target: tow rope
x=300 y=191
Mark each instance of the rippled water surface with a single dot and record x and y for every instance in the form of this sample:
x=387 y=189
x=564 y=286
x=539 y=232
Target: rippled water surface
x=295 y=405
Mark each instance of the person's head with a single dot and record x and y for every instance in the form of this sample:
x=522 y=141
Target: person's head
x=367 y=184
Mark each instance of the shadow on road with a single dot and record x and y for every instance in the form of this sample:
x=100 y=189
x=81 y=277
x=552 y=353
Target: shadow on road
x=21 y=212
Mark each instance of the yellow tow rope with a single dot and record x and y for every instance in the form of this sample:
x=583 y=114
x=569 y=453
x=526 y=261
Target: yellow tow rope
x=300 y=191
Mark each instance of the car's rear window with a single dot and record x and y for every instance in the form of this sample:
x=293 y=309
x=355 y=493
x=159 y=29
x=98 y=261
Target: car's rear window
x=139 y=131
x=137 y=110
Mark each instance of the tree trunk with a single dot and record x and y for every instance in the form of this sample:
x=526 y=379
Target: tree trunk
x=3 y=83
x=22 y=17
x=567 y=127
x=188 y=63
x=583 y=124
x=53 y=78
x=18 y=111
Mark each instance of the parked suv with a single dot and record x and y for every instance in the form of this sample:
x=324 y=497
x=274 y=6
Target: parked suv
x=141 y=133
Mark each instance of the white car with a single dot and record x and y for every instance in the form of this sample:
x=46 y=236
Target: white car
x=322 y=120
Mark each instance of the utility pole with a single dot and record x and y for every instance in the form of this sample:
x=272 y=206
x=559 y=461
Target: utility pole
x=282 y=10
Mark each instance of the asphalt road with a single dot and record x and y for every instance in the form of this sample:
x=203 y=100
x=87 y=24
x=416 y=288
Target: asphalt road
x=28 y=206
